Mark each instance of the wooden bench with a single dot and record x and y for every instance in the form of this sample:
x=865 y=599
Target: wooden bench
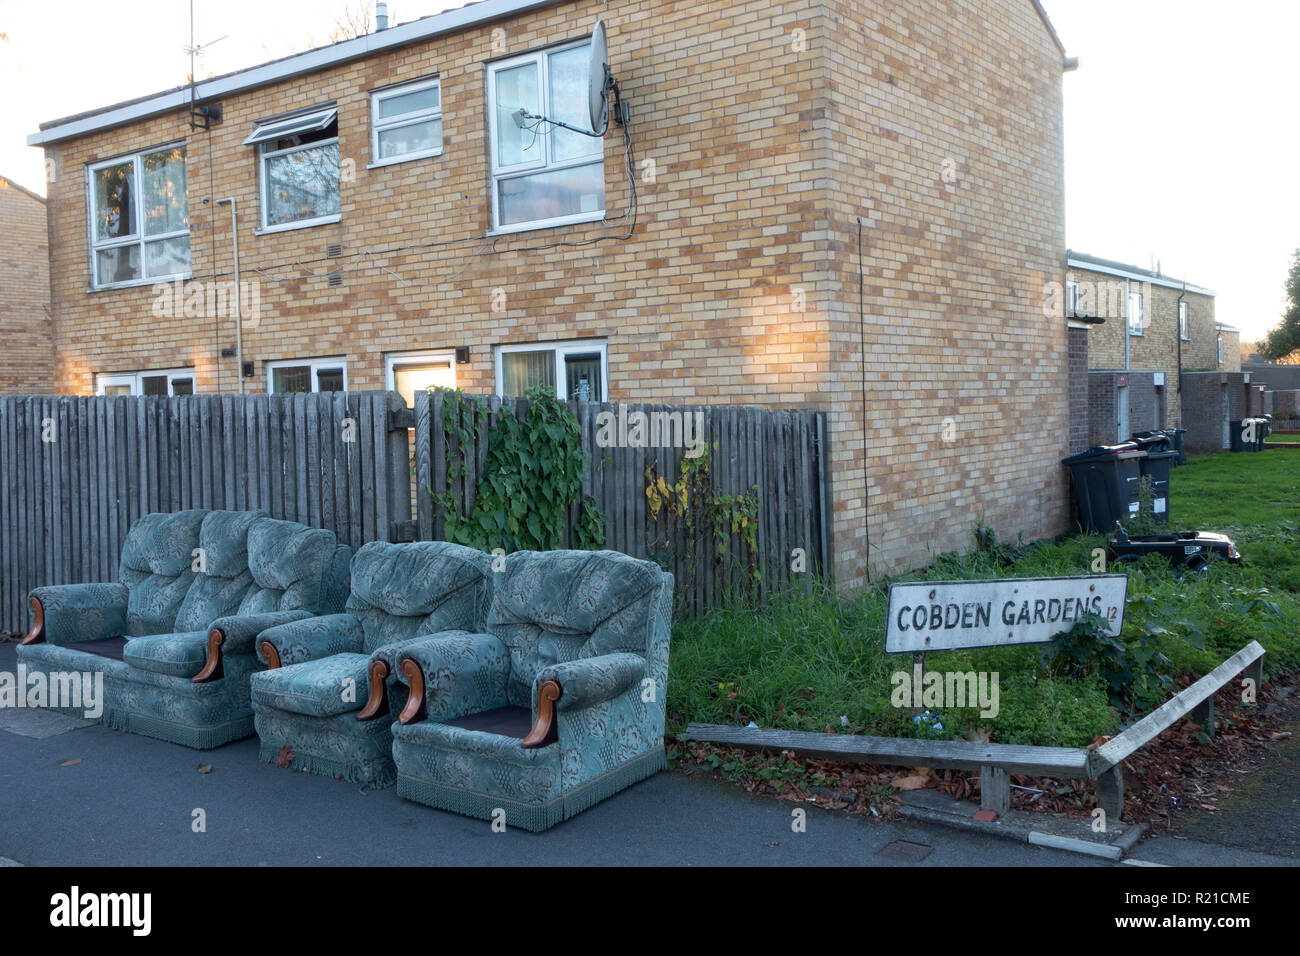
x=996 y=762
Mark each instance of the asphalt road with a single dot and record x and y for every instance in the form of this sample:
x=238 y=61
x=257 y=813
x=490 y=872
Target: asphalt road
x=130 y=800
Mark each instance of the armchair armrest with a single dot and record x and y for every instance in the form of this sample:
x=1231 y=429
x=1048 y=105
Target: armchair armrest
x=453 y=674
x=573 y=685
x=592 y=680
x=64 y=613
x=310 y=639
x=236 y=635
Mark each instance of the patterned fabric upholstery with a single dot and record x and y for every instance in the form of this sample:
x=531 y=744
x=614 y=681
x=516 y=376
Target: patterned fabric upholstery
x=399 y=593
x=596 y=623
x=157 y=567
x=181 y=575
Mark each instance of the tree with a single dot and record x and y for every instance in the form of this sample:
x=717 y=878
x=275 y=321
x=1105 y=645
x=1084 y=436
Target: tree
x=1285 y=338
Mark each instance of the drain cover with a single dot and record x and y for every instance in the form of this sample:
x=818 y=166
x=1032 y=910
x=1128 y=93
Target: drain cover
x=905 y=852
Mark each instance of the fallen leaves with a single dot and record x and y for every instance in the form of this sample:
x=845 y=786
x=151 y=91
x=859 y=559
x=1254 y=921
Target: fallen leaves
x=914 y=781
x=205 y=768
x=285 y=758
x=70 y=763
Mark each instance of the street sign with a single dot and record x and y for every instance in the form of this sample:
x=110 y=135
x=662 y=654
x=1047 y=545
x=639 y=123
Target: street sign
x=946 y=615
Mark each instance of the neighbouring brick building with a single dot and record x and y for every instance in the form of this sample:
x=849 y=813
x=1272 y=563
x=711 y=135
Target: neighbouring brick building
x=27 y=357
x=811 y=178
x=1144 y=328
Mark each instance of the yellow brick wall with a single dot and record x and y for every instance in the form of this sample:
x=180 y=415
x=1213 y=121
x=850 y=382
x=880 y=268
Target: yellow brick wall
x=740 y=282
x=944 y=135
x=27 y=358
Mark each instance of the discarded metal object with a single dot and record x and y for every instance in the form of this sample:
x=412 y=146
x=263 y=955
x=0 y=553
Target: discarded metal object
x=1190 y=549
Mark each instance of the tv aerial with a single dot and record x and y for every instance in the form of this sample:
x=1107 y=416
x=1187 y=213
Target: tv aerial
x=600 y=85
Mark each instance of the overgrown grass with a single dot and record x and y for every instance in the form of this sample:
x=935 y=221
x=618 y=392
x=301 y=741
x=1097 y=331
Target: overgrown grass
x=815 y=660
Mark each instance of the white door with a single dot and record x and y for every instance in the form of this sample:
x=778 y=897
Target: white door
x=417 y=372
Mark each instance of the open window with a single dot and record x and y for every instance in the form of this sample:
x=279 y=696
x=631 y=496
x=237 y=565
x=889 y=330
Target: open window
x=298 y=169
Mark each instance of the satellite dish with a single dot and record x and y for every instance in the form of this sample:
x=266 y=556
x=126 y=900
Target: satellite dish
x=599 y=79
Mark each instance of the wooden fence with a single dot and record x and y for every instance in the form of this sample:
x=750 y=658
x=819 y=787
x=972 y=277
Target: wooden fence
x=782 y=454
x=76 y=471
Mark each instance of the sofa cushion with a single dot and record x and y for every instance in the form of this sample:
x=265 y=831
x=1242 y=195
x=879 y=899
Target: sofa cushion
x=404 y=591
x=224 y=579
x=289 y=564
x=176 y=655
x=157 y=569
x=332 y=685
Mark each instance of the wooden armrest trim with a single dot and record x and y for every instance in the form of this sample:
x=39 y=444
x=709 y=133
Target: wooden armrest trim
x=212 y=669
x=272 y=656
x=546 y=729
x=377 y=702
x=37 y=634
x=414 y=711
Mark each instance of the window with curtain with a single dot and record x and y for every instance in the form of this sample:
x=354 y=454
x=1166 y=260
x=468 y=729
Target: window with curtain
x=140 y=218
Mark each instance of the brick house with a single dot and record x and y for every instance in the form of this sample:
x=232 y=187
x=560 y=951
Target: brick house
x=801 y=184
x=27 y=360
x=1143 y=329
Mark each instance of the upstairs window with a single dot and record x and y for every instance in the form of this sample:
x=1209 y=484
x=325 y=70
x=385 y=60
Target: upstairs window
x=405 y=122
x=1135 y=313
x=1071 y=299
x=543 y=175
x=1220 y=349
x=1183 y=332
x=139 y=218
x=298 y=169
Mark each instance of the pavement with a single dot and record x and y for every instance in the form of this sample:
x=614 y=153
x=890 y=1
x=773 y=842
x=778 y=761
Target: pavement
x=79 y=794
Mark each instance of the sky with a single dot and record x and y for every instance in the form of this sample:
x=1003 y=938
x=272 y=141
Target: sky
x=1181 y=144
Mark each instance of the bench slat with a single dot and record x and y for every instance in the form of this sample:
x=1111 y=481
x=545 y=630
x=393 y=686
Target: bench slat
x=1149 y=727
x=1065 y=762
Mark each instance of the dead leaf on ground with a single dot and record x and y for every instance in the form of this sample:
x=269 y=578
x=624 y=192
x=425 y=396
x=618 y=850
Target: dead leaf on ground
x=69 y=763
x=205 y=768
x=914 y=781
x=285 y=758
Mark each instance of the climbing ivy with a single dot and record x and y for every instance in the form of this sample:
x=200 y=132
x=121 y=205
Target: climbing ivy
x=704 y=515
x=532 y=475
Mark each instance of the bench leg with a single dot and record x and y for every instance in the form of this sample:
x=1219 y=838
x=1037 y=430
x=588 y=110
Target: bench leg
x=995 y=790
x=1110 y=793
x=1203 y=714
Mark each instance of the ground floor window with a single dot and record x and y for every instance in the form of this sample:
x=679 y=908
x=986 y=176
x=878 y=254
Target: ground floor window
x=575 y=370
x=307 y=375
x=169 y=382
x=411 y=372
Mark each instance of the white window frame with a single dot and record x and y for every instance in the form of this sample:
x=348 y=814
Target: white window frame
x=1184 y=322
x=312 y=365
x=271 y=130
x=437 y=357
x=561 y=349
x=1132 y=297
x=498 y=173
x=1220 y=349
x=135 y=380
x=1071 y=298
x=405 y=119
x=138 y=238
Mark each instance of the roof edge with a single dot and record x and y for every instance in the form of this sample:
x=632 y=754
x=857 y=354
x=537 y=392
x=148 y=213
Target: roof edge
x=1047 y=22
x=1086 y=263
x=309 y=61
x=22 y=189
